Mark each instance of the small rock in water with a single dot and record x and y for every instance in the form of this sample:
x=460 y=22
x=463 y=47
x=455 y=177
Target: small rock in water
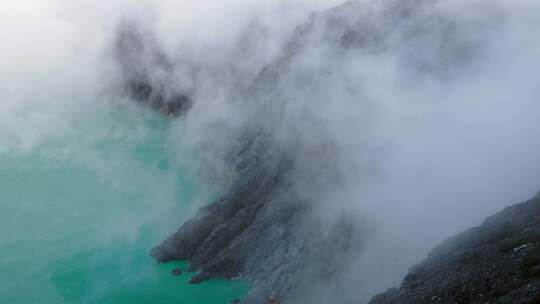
x=176 y=272
x=195 y=280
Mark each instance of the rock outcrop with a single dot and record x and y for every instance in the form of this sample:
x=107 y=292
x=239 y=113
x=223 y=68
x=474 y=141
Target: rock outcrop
x=497 y=262
x=244 y=233
x=256 y=230
x=148 y=75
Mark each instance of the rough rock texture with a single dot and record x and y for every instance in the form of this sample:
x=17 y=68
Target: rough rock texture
x=203 y=239
x=497 y=262
x=250 y=231
x=254 y=231
x=148 y=75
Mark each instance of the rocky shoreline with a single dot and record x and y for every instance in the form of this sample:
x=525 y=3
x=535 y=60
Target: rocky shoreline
x=256 y=232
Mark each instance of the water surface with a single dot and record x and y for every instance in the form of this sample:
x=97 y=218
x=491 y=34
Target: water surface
x=80 y=210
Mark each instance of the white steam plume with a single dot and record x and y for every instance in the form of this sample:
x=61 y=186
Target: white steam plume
x=423 y=135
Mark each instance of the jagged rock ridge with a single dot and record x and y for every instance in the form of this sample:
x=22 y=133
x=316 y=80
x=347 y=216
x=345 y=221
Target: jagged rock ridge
x=497 y=262
x=254 y=230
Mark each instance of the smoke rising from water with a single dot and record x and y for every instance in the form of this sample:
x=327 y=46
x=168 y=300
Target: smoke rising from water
x=421 y=119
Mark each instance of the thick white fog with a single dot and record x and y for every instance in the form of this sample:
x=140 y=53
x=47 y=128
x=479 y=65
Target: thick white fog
x=423 y=135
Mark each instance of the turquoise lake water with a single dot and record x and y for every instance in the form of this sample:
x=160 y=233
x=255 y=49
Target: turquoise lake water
x=80 y=210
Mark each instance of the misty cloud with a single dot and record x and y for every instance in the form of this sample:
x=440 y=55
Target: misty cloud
x=418 y=118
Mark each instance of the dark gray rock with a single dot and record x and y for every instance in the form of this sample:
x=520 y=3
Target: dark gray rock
x=176 y=272
x=237 y=235
x=497 y=262
x=257 y=231
x=146 y=71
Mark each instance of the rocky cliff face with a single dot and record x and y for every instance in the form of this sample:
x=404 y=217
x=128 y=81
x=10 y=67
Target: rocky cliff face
x=256 y=230
x=496 y=262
